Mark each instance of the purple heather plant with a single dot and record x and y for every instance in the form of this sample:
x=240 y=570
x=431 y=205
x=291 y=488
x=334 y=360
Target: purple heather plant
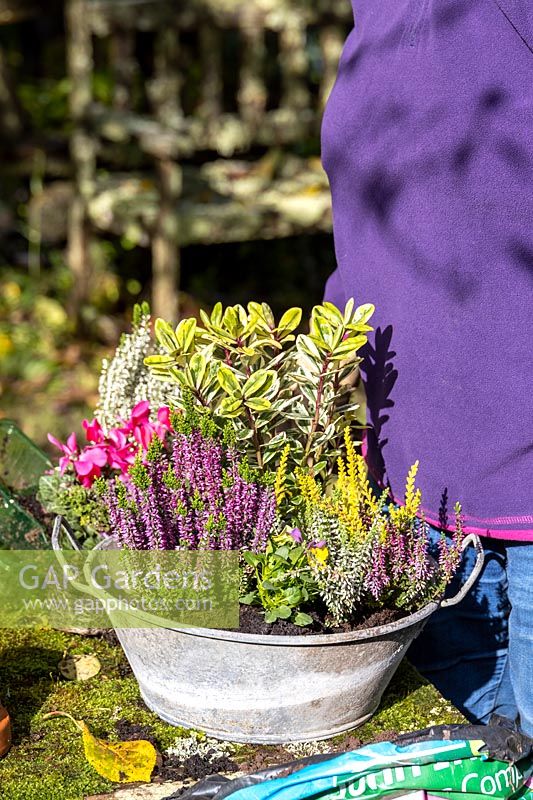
x=192 y=491
x=401 y=573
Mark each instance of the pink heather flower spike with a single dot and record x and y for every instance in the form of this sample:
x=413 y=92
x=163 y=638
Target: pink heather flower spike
x=210 y=512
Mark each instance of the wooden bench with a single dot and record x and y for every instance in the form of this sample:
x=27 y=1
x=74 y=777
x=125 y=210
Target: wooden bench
x=221 y=143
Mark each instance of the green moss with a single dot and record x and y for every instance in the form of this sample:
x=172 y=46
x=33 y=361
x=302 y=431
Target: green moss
x=47 y=761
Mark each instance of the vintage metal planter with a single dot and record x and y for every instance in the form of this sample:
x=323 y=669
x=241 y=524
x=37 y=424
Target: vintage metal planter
x=271 y=689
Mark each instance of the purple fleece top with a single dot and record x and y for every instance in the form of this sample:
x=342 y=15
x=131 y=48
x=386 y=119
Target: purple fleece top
x=427 y=140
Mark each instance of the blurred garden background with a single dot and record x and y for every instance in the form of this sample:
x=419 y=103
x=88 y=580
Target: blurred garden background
x=152 y=150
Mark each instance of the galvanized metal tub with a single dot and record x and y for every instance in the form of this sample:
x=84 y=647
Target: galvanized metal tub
x=267 y=689
x=271 y=689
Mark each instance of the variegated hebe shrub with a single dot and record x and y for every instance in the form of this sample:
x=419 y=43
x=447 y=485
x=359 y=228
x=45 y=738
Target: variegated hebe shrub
x=276 y=387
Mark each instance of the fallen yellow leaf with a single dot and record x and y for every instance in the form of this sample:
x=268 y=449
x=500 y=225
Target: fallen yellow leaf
x=120 y=762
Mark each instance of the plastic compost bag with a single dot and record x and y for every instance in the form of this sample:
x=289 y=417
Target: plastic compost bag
x=460 y=762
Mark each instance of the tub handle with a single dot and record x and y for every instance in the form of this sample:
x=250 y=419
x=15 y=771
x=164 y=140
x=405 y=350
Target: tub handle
x=474 y=541
x=61 y=523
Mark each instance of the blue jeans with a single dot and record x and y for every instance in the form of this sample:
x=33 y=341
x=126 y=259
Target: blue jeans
x=479 y=653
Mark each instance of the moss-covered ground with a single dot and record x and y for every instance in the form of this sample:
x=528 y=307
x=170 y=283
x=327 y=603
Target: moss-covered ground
x=47 y=761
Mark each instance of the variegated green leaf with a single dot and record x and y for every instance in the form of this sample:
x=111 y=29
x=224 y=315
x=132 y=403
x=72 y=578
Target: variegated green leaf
x=263 y=341
x=198 y=368
x=228 y=380
x=268 y=315
x=242 y=316
x=363 y=313
x=258 y=403
x=231 y=407
x=348 y=310
x=255 y=309
x=185 y=334
x=165 y=335
x=230 y=321
x=321 y=330
x=160 y=361
x=217 y=313
x=290 y=320
x=331 y=312
x=259 y=383
x=177 y=376
x=306 y=345
x=348 y=346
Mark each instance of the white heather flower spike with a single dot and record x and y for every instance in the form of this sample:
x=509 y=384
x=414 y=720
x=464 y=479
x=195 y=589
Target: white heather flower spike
x=126 y=380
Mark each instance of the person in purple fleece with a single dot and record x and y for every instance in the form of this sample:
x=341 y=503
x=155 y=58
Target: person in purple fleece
x=427 y=140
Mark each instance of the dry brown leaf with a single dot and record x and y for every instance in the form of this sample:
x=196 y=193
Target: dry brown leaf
x=80 y=667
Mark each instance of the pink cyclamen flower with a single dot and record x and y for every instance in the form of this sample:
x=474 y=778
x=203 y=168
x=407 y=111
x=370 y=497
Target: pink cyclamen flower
x=69 y=450
x=163 y=425
x=117 y=449
x=140 y=415
x=163 y=417
x=139 y=425
x=89 y=465
x=120 y=451
x=93 y=431
x=140 y=411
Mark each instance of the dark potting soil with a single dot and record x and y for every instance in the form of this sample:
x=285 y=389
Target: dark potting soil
x=252 y=620
x=130 y=731
x=174 y=768
x=260 y=758
x=264 y=756
x=195 y=767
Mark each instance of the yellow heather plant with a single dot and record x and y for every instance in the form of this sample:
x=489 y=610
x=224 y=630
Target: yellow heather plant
x=280 y=484
x=374 y=554
x=352 y=500
x=412 y=499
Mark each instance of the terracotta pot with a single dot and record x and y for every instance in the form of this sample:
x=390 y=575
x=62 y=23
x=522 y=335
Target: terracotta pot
x=5 y=731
